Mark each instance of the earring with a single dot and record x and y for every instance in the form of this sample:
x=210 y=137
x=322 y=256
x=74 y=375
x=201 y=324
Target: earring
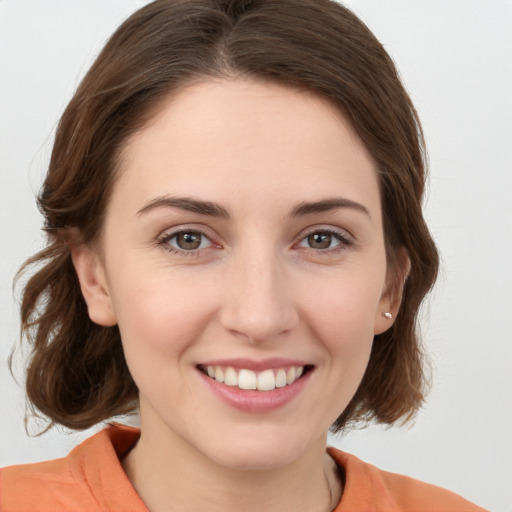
x=387 y=315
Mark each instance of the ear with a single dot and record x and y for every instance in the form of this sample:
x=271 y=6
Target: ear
x=398 y=270
x=94 y=286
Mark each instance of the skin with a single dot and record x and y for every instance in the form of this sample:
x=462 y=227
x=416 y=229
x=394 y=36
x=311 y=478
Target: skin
x=256 y=288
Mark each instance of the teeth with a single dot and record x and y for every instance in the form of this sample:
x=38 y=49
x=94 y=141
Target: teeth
x=266 y=380
x=219 y=374
x=281 y=378
x=230 y=377
x=246 y=379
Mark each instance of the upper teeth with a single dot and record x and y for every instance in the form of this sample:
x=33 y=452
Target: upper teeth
x=267 y=380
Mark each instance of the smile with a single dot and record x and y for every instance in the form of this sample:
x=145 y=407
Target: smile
x=256 y=386
x=243 y=378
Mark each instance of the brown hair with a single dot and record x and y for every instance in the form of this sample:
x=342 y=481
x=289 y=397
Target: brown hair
x=77 y=375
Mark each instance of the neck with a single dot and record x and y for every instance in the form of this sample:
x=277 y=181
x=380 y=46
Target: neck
x=169 y=474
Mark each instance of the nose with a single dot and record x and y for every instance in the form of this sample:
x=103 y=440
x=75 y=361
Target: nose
x=258 y=303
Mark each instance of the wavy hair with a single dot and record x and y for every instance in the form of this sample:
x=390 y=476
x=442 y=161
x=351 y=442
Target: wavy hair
x=77 y=375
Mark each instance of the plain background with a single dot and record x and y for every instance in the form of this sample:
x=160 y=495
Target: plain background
x=455 y=57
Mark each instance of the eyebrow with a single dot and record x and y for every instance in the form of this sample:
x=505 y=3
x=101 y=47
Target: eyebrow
x=327 y=205
x=188 y=204
x=212 y=209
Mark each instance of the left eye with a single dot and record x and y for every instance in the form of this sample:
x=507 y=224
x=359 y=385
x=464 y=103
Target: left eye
x=187 y=241
x=321 y=240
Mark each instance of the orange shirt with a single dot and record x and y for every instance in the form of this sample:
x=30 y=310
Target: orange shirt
x=91 y=478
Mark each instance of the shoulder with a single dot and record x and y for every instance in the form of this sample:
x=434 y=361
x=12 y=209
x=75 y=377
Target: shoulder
x=369 y=488
x=89 y=478
x=49 y=485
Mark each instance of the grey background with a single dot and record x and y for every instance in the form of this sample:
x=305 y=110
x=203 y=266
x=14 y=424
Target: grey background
x=455 y=57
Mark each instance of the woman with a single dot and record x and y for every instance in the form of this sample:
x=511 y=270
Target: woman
x=237 y=249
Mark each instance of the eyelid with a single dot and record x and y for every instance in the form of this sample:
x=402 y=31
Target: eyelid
x=346 y=239
x=163 y=239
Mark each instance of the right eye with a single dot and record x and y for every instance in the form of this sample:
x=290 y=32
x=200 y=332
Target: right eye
x=186 y=241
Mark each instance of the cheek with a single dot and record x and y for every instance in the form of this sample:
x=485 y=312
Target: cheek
x=345 y=305
x=159 y=317
x=347 y=334
x=341 y=315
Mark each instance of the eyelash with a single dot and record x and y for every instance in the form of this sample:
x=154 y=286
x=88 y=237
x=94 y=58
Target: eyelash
x=345 y=241
x=164 y=240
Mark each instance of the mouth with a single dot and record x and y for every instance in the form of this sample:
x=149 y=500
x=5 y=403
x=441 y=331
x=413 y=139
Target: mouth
x=246 y=379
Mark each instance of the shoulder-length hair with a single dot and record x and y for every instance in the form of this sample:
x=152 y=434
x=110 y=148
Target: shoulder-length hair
x=77 y=375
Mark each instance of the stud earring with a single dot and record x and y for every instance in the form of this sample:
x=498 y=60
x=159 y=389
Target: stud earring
x=387 y=315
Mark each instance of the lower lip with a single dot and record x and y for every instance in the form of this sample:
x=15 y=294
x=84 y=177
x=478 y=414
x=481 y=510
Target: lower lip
x=256 y=401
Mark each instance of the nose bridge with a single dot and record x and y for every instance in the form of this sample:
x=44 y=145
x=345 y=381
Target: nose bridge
x=258 y=305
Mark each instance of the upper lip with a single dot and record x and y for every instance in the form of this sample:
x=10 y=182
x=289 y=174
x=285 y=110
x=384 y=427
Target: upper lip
x=256 y=365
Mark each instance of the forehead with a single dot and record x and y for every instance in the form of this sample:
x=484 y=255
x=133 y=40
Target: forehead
x=238 y=139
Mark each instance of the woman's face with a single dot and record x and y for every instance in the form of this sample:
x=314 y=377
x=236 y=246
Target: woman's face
x=243 y=240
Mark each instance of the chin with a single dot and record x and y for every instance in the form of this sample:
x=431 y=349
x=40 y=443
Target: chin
x=255 y=460
x=260 y=451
